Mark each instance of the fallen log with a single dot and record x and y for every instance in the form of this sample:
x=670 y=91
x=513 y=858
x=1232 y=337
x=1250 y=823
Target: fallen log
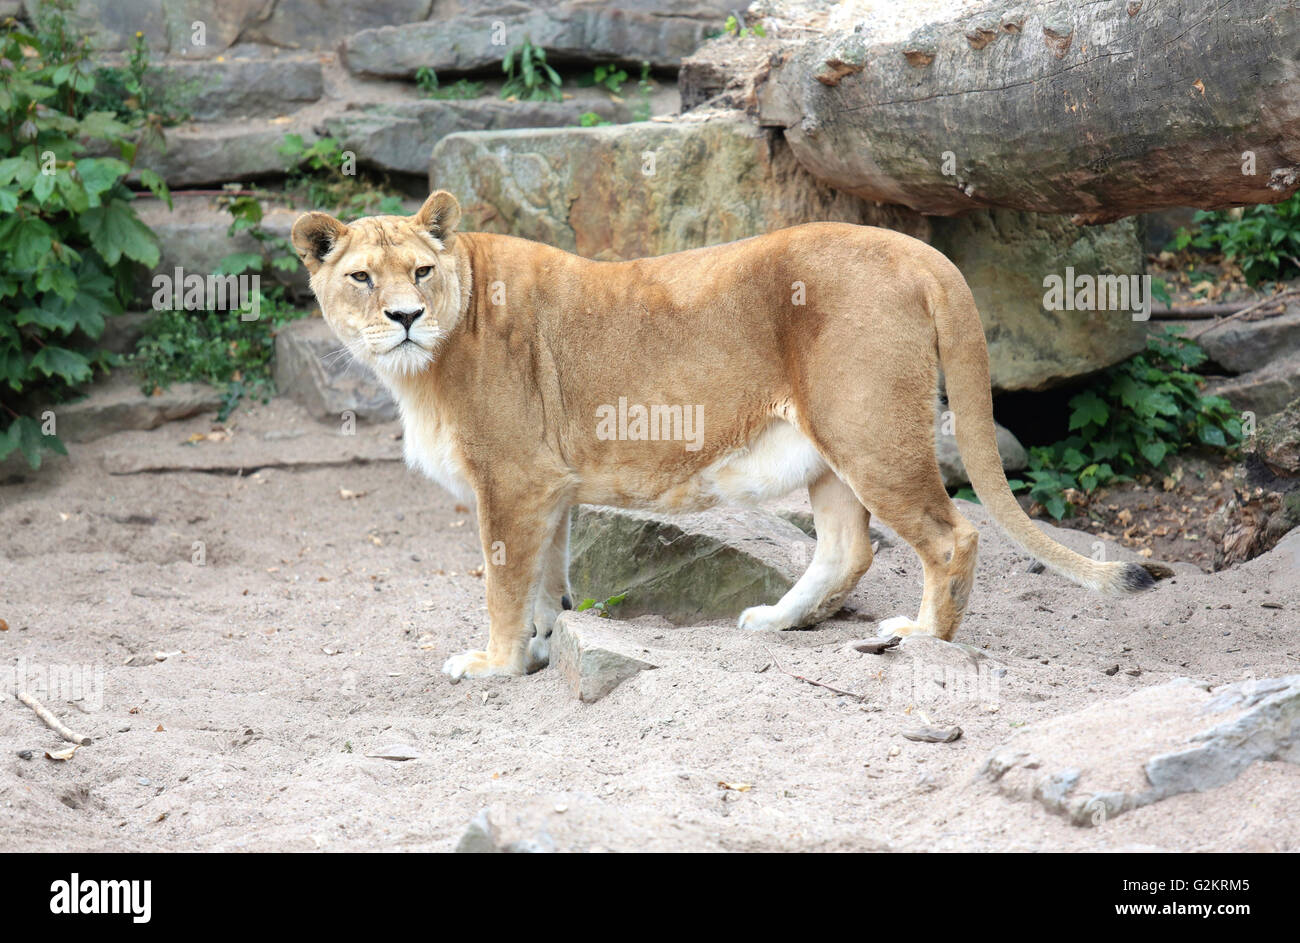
x=1096 y=110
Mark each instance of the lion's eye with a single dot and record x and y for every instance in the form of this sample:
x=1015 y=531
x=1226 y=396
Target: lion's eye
x=362 y=277
x=423 y=271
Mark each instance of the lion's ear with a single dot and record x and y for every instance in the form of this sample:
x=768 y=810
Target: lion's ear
x=314 y=236
x=439 y=216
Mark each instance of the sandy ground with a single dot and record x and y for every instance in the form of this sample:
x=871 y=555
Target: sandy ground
x=313 y=632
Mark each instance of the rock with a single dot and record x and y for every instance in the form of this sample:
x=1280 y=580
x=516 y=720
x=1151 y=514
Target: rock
x=641 y=189
x=913 y=128
x=1157 y=742
x=323 y=24
x=719 y=178
x=253 y=86
x=215 y=153
x=116 y=404
x=1265 y=502
x=401 y=136
x=123 y=331
x=660 y=32
x=1263 y=391
x=1242 y=346
x=1014 y=457
x=310 y=370
x=688 y=569
x=1006 y=256
x=293 y=24
x=479 y=838
x=1276 y=443
x=591 y=656
x=194 y=237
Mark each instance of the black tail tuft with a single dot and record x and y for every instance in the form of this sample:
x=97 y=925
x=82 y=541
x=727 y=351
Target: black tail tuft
x=1135 y=578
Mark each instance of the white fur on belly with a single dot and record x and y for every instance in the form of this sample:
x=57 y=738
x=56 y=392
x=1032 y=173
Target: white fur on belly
x=778 y=460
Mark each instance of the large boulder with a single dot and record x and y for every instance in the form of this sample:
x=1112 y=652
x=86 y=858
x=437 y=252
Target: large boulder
x=656 y=187
x=1148 y=105
x=1007 y=255
x=690 y=568
x=660 y=32
x=643 y=189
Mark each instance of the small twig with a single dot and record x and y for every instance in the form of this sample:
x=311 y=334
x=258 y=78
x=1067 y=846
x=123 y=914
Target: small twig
x=818 y=684
x=53 y=722
x=1244 y=311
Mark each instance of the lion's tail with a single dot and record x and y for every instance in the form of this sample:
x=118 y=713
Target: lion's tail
x=964 y=357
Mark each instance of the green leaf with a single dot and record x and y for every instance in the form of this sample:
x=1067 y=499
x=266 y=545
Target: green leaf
x=1089 y=409
x=115 y=231
x=69 y=365
x=157 y=186
x=98 y=174
x=1155 y=452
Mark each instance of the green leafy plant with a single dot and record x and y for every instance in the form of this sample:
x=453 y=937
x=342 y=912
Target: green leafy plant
x=219 y=347
x=601 y=608
x=69 y=235
x=733 y=27
x=589 y=119
x=427 y=81
x=609 y=77
x=1263 y=240
x=325 y=176
x=528 y=77
x=1136 y=416
x=138 y=92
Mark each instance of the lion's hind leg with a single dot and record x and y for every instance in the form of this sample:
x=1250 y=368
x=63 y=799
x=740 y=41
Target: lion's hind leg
x=843 y=554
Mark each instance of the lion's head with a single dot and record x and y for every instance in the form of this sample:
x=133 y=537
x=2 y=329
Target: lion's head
x=389 y=286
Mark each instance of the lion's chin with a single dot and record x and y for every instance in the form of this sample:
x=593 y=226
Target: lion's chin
x=406 y=359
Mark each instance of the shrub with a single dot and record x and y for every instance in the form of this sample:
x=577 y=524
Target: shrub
x=69 y=237
x=1136 y=416
x=1263 y=240
x=528 y=77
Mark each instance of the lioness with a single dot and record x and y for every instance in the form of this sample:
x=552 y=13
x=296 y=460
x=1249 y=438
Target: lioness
x=811 y=355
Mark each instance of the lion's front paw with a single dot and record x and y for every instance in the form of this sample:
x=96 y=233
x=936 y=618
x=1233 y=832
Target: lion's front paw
x=476 y=664
x=539 y=653
x=763 y=619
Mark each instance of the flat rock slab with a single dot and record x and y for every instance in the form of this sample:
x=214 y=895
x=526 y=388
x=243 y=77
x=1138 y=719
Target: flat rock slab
x=117 y=404
x=690 y=568
x=1157 y=742
x=312 y=446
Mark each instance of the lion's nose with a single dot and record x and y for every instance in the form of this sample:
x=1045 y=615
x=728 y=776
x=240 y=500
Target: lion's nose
x=404 y=316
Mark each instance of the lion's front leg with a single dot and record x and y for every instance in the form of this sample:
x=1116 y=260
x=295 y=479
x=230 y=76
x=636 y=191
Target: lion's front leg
x=515 y=534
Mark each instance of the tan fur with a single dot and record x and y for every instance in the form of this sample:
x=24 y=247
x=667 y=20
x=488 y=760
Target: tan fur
x=520 y=346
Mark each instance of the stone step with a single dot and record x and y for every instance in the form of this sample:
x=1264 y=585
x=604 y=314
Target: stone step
x=660 y=32
x=117 y=404
x=241 y=86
